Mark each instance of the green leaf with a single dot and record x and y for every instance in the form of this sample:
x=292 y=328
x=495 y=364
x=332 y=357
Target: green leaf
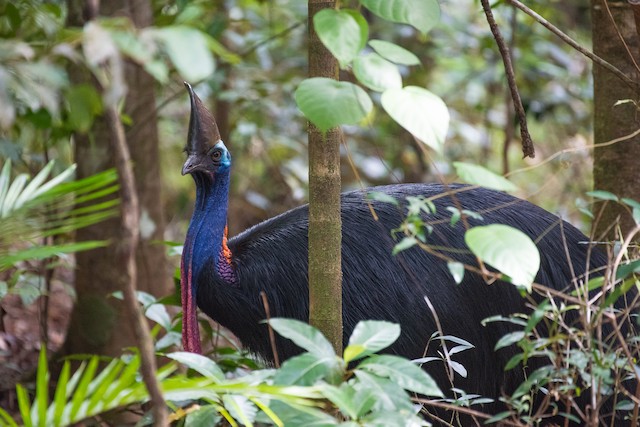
x=382 y=197
x=478 y=175
x=39 y=408
x=344 y=32
x=240 y=408
x=42 y=252
x=377 y=73
x=389 y=395
x=328 y=103
x=509 y=339
x=508 y=250
x=370 y=337
x=206 y=416
x=187 y=48
x=403 y=372
x=420 y=112
x=635 y=208
x=60 y=396
x=342 y=397
x=199 y=363
x=394 y=53
x=83 y=104
x=602 y=195
x=304 y=336
x=422 y=14
x=306 y=369
x=457 y=271
x=625 y=270
x=6 y=420
x=404 y=244
x=24 y=404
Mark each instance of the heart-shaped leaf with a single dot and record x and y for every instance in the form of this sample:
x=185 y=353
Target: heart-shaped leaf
x=394 y=53
x=343 y=32
x=422 y=14
x=420 y=112
x=377 y=73
x=508 y=250
x=328 y=103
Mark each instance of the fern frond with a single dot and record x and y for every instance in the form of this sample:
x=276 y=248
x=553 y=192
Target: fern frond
x=42 y=207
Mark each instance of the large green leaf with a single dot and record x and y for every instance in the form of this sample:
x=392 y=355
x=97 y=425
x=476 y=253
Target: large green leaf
x=199 y=363
x=508 y=250
x=188 y=50
x=328 y=103
x=343 y=32
x=422 y=14
x=369 y=337
x=377 y=73
x=478 y=175
x=403 y=372
x=420 y=112
x=303 y=335
x=394 y=53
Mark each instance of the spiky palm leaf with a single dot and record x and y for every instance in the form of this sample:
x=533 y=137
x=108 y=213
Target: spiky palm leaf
x=90 y=391
x=33 y=209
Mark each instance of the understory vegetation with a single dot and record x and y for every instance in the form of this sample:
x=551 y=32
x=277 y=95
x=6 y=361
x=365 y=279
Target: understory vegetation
x=58 y=80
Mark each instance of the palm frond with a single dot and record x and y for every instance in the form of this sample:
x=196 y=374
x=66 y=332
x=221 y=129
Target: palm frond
x=91 y=391
x=32 y=209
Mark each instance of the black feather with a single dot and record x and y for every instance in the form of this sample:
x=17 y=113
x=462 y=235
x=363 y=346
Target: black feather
x=272 y=257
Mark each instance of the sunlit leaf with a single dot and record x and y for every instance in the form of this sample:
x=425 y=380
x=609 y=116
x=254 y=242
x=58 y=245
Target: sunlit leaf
x=422 y=14
x=478 y=175
x=370 y=337
x=304 y=336
x=328 y=103
x=344 y=32
x=508 y=250
x=394 y=53
x=420 y=112
x=188 y=50
x=376 y=73
x=198 y=363
x=406 y=374
x=457 y=270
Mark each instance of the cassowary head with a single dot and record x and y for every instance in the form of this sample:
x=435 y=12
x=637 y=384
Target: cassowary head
x=208 y=161
x=206 y=151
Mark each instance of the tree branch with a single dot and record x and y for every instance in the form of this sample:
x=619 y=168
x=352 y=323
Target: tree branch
x=131 y=223
x=568 y=40
x=527 y=143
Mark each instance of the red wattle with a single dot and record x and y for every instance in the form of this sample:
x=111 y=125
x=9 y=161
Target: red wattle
x=190 y=328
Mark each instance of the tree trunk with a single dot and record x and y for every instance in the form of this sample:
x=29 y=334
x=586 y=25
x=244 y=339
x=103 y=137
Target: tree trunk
x=325 y=225
x=615 y=167
x=99 y=323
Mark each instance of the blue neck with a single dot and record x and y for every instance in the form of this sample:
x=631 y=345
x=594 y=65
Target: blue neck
x=207 y=227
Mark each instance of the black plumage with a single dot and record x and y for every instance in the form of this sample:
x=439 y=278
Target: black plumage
x=271 y=257
x=226 y=278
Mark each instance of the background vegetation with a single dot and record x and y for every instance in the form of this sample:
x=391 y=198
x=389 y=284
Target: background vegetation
x=60 y=73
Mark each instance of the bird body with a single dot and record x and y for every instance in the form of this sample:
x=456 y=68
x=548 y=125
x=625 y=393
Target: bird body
x=226 y=278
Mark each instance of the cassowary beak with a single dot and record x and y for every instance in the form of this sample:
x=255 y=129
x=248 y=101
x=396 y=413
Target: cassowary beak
x=203 y=134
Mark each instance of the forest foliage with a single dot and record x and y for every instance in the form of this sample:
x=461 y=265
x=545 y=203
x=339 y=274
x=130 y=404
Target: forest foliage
x=398 y=58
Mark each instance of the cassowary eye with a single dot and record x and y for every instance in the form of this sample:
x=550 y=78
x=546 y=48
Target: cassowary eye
x=216 y=155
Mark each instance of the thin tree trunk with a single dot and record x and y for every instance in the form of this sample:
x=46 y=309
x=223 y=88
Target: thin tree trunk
x=325 y=225
x=130 y=208
x=615 y=167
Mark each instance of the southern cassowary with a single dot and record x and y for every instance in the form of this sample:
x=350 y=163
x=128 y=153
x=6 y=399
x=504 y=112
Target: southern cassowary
x=225 y=277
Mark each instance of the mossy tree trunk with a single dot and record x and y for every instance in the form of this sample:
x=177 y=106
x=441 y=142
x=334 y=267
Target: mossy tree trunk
x=616 y=167
x=325 y=225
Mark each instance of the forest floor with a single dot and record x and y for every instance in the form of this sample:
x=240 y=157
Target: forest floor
x=20 y=337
